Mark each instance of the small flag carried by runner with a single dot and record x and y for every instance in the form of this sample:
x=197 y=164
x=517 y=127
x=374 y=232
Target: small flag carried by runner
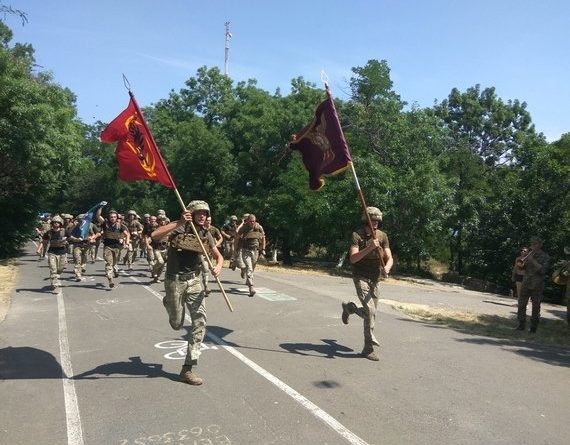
x=86 y=221
x=322 y=145
x=137 y=154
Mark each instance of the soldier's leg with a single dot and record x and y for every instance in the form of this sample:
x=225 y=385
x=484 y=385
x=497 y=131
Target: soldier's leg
x=77 y=262
x=150 y=258
x=367 y=291
x=158 y=265
x=53 y=274
x=84 y=252
x=536 y=299
x=521 y=308
x=240 y=262
x=109 y=256
x=173 y=302
x=195 y=302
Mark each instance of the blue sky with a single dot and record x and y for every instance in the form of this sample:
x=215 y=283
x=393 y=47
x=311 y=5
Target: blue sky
x=521 y=47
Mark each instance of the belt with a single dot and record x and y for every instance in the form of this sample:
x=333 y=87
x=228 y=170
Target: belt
x=183 y=276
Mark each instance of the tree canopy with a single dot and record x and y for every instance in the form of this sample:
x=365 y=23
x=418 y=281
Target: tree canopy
x=466 y=182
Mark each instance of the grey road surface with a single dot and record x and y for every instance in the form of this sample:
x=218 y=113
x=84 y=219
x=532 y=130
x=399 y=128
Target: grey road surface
x=97 y=366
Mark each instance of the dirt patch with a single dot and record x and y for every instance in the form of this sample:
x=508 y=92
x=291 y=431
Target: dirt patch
x=8 y=274
x=551 y=332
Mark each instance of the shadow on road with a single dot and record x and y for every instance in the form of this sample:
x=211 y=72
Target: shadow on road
x=135 y=367
x=28 y=363
x=548 y=345
x=42 y=290
x=328 y=349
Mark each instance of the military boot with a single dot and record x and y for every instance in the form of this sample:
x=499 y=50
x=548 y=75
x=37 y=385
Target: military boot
x=251 y=291
x=369 y=353
x=187 y=376
x=347 y=309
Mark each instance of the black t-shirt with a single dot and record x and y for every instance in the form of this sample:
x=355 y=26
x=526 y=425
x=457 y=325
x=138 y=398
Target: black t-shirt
x=57 y=236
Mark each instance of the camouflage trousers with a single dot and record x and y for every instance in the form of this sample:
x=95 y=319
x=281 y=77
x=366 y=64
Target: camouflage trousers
x=56 y=265
x=368 y=292
x=111 y=256
x=189 y=293
x=159 y=261
x=80 y=258
x=228 y=248
x=535 y=295
x=249 y=258
x=150 y=258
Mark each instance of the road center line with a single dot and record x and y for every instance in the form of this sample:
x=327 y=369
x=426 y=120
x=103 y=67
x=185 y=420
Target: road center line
x=299 y=398
x=74 y=429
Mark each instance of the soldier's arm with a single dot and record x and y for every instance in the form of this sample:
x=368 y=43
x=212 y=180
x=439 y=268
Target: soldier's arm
x=356 y=255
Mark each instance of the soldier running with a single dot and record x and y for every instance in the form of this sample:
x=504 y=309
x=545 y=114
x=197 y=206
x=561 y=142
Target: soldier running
x=56 y=252
x=114 y=235
x=182 y=282
x=252 y=240
x=367 y=271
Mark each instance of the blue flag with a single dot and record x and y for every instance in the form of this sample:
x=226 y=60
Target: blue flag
x=86 y=222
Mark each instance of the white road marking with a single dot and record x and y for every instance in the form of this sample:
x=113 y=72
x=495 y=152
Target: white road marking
x=299 y=398
x=74 y=429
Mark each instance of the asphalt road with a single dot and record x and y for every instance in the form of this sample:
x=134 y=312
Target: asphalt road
x=97 y=366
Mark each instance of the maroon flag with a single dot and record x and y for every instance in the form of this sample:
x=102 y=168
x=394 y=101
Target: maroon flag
x=322 y=145
x=137 y=154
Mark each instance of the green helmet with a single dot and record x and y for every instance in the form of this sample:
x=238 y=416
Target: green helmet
x=57 y=219
x=194 y=206
x=161 y=212
x=233 y=218
x=374 y=213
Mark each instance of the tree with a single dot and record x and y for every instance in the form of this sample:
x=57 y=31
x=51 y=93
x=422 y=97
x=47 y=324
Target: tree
x=40 y=138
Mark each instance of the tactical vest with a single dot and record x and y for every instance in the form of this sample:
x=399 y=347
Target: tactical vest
x=56 y=238
x=369 y=266
x=112 y=231
x=252 y=236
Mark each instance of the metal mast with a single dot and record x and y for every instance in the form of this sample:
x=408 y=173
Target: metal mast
x=227 y=49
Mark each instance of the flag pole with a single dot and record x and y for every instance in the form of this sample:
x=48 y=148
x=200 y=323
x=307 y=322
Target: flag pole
x=356 y=181
x=179 y=198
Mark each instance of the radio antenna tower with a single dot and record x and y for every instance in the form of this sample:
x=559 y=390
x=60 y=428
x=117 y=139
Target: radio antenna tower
x=227 y=49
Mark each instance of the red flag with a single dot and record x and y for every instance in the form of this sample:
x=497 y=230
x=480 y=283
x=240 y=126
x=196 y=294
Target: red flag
x=137 y=154
x=322 y=145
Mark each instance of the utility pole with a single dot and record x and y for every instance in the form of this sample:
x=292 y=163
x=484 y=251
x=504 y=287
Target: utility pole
x=227 y=48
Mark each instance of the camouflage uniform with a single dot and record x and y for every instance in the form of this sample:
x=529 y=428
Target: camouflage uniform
x=159 y=253
x=182 y=283
x=251 y=239
x=81 y=247
x=366 y=275
x=216 y=236
x=183 y=286
x=57 y=251
x=113 y=235
x=535 y=269
x=229 y=231
x=135 y=229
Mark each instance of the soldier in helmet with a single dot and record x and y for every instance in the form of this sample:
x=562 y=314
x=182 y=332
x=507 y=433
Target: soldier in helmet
x=159 y=251
x=81 y=246
x=238 y=259
x=182 y=283
x=218 y=238
x=135 y=229
x=57 y=250
x=252 y=240
x=147 y=231
x=367 y=252
x=115 y=235
x=143 y=244
x=229 y=232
